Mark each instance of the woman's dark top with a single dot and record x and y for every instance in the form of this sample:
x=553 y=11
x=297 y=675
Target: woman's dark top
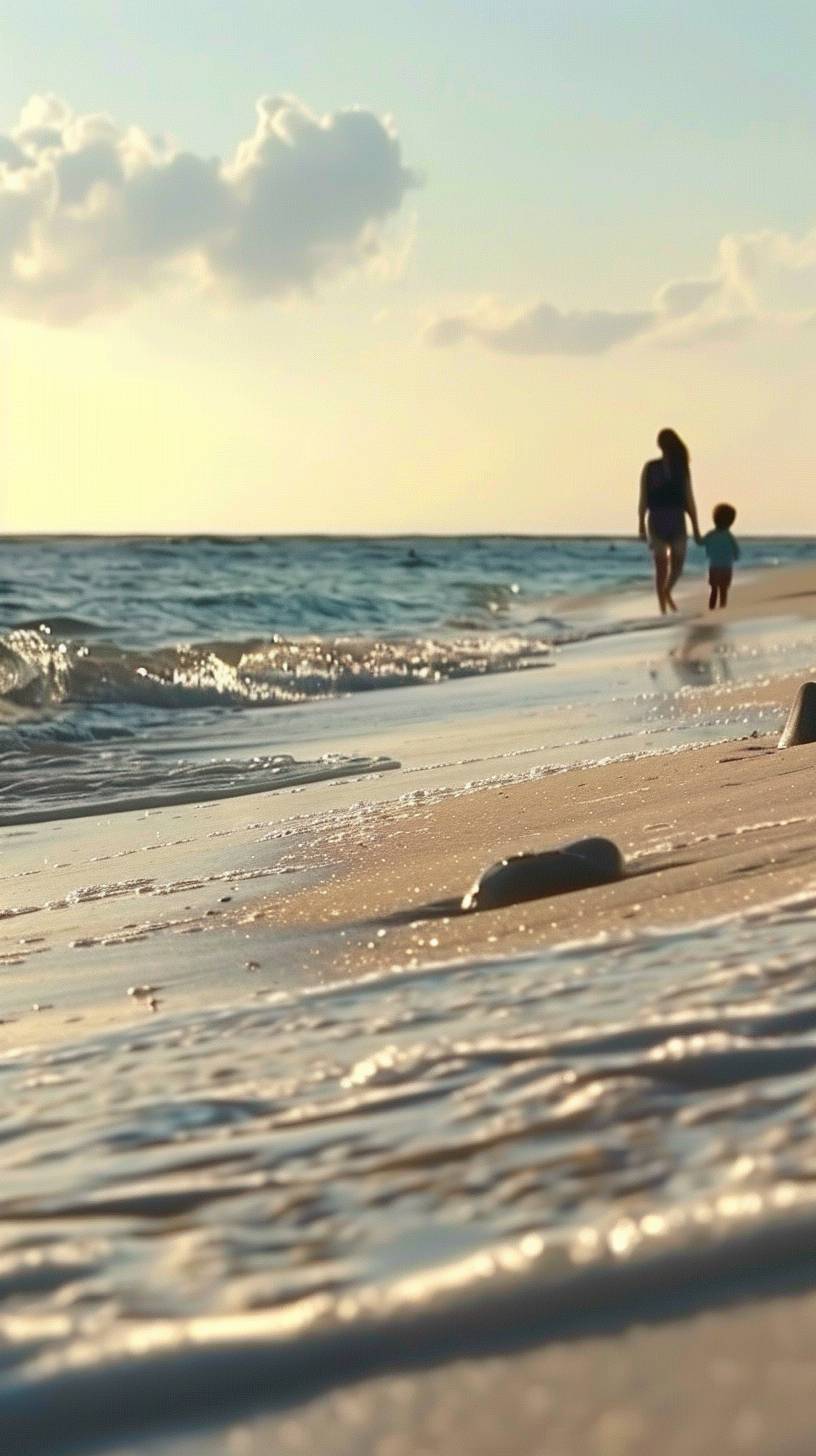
x=665 y=501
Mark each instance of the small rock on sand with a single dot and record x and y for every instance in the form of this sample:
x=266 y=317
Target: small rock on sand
x=530 y=876
x=801 y=725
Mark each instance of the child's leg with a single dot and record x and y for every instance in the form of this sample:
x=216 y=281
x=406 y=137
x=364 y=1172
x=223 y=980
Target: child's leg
x=712 y=596
x=725 y=582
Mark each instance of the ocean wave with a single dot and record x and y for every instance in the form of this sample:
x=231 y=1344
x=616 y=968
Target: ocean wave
x=42 y=669
x=62 y=622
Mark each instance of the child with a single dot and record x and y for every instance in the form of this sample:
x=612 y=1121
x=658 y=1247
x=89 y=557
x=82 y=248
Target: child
x=722 y=551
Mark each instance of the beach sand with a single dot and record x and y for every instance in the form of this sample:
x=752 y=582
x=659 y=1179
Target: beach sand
x=704 y=832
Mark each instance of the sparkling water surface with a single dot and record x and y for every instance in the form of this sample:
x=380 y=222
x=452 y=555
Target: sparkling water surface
x=134 y=671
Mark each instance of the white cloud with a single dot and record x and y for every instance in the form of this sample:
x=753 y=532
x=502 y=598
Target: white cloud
x=773 y=273
x=93 y=216
x=765 y=278
x=540 y=329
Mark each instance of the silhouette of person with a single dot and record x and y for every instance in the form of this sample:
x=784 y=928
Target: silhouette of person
x=666 y=498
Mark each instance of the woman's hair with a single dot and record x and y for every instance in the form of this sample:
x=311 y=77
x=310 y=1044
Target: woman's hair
x=675 y=453
x=724 y=516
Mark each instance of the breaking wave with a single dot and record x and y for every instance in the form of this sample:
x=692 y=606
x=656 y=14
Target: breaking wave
x=39 y=668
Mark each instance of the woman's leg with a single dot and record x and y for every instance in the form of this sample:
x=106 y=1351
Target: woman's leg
x=678 y=561
x=660 y=550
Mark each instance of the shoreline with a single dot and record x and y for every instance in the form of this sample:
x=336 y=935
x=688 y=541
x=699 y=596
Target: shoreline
x=711 y=829
x=179 y=897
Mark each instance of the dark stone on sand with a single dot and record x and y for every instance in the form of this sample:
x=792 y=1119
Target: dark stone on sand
x=801 y=724
x=522 y=877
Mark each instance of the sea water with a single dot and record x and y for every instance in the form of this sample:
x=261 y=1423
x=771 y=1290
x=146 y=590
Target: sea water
x=142 y=670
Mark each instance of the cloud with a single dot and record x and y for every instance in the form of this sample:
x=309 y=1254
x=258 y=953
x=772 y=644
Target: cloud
x=772 y=273
x=541 y=329
x=676 y=300
x=758 y=279
x=93 y=216
x=706 y=327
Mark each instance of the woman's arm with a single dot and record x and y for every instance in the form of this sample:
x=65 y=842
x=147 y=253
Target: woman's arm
x=642 y=505
x=691 y=509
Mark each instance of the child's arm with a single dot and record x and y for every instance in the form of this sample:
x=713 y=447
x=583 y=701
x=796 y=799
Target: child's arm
x=735 y=547
x=642 y=505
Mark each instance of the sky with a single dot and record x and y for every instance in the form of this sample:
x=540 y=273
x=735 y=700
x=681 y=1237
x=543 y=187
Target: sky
x=403 y=265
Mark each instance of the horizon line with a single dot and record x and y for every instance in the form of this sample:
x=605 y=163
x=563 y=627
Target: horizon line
x=13 y=536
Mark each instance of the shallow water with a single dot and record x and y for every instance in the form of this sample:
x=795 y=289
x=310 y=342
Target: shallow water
x=251 y=1204
x=139 y=671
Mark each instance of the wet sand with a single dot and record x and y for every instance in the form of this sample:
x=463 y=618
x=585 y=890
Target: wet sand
x=705 y=832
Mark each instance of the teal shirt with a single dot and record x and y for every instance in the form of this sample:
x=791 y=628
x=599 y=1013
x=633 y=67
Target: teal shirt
x=721 y=548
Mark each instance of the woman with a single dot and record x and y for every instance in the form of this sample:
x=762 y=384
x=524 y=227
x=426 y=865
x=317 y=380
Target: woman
x=666 y=498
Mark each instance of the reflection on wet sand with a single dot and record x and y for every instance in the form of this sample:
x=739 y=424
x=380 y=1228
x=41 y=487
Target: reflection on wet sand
x=701 y=659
